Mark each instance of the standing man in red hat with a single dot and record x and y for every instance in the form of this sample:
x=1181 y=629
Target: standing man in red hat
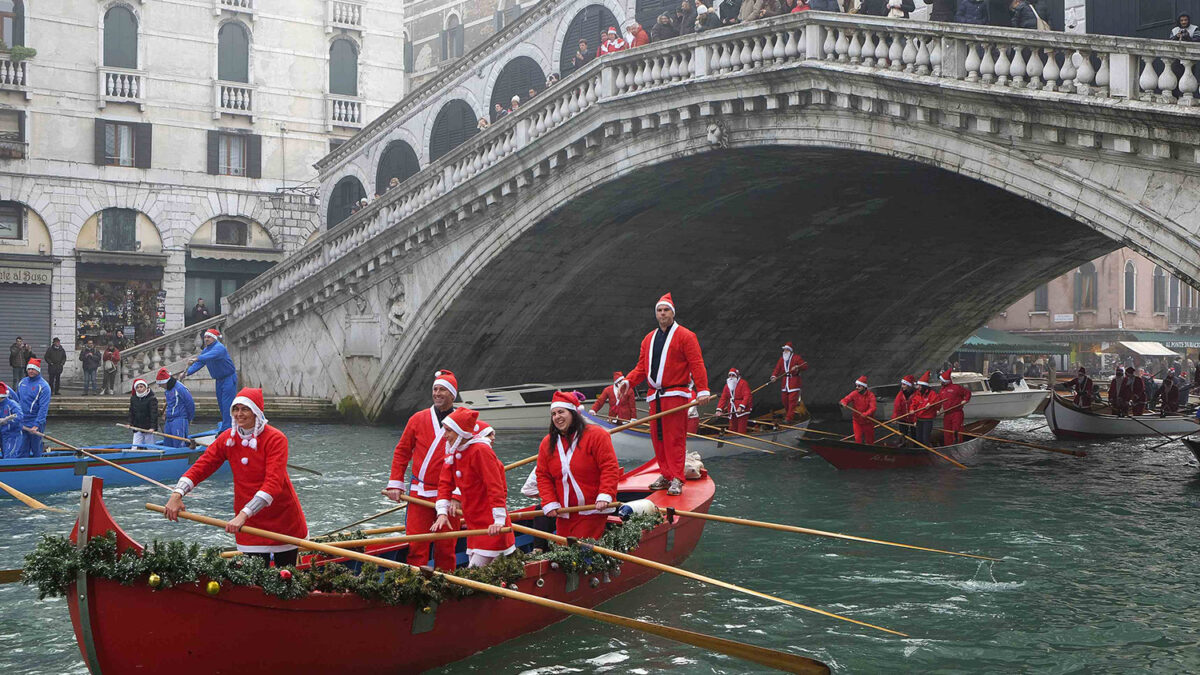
x=1084 y=388
x=620 y=406
x=737 y=400
x=954 y=398
x=788 y=367
x=925 y=405
x=220 y=366
x=862 y=402
x=33 y=393
x=669 y=356
x=421 y=443
x=902 y=406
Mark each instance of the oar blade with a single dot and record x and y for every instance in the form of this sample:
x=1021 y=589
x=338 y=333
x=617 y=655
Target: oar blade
x=10 y=576
x=27 y=500
x=297 y=467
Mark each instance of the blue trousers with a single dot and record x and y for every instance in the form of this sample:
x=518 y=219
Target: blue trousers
x=226 y=392
x=10 y=444
x=176 y=427
x=89 y=382
x=29 y=446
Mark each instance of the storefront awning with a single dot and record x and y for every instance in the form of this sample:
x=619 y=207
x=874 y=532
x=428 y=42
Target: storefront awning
x=991 y=341
x=1169 y=340
x=1147 y=348
x=243 y=253
x=122 y=258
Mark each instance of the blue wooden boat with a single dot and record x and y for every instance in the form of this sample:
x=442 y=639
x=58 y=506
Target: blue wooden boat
x=62 y=471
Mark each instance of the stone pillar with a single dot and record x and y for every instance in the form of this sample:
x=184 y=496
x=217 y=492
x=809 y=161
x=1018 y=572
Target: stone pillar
x=62 y=312
x=290 y=219
x=175 y=284
x=1124 y=70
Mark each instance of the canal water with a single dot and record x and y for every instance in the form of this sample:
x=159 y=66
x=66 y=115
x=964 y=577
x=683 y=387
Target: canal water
x=1099 y=568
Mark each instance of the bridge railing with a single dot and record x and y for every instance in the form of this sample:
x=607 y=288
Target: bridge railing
x=1158 y=74
x=170 y=351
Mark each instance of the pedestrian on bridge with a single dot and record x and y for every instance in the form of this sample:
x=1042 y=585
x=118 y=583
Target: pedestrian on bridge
x=220 y=366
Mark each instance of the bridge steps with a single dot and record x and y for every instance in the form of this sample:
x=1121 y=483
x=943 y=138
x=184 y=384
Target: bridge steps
x=117 y=408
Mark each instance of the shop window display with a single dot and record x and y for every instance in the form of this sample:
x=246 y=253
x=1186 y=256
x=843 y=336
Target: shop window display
x=137 y=308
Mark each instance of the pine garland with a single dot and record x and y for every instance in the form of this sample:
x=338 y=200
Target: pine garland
x=55 y=564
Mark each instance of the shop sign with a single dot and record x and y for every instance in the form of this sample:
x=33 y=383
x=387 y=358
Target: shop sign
x=1064 y=318
x=24 y=275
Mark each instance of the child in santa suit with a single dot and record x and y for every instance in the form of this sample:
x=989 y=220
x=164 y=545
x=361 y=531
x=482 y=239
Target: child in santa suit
x=576 y=466
x=262 y=491
x=736 y=400
x=472 y=468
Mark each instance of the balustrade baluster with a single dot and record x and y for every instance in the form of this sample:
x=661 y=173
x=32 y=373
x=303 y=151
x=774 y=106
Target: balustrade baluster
x=790 y=49
x=829 y=47
x=1067 y=74
x=1102 y=75
x=881 y=50
x=747 y=55
x=756 y=52
x=1086 y=75
x=935 y=57
x=1003 y=65
x=868 y=49
x=909 y=55
x=1187 y=84
x=896 y=52
x=656 y=72
x=1148 y=80
x=780 y=51
x=987 y=66
x=854 y=51
x=842 y=47
x=1016 y=69
x=1051 y=71
x=1167 y=81
x=923 y=61
x=1033 y=68
x=972 y=63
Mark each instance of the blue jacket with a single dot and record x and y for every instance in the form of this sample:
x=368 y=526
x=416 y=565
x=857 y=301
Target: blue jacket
x=9 y=406
x=973 y=11
x=216 y=357
x=1024 y=17
x=34 y=393
x=180 y=404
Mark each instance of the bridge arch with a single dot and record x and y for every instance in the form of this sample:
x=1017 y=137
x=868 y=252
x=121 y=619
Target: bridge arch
x=455 y=122
x=342 y=198
x=586 y=24
x=517 y=77
x=399 y=161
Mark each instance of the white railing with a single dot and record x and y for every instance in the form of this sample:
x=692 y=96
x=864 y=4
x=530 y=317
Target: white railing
x=343 y=111
x=343 y=14
x=234 y=98
x=122 y=85
x=170 y=351
x=13 y=74
x=236 y=5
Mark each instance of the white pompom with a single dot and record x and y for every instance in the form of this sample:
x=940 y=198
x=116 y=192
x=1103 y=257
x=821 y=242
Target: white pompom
x=254 y=443
x=229 y=442
x=244 y=443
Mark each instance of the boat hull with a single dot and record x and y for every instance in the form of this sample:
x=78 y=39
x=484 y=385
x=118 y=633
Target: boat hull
x=984 y=405
x=848 y=455
x=1193 y=445
x=1068 y=421
x=636 y=445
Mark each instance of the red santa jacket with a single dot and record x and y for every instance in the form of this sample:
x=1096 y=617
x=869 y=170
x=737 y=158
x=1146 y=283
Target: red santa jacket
x=925 y=405
x=625 y=408
x=954 y=398
x=590 y=474
x=421 y=444
x=902 y=405
x=864 y=402
x=681 y=359
x=742 y=399
x=610 y=46
x=257 y=472
x=473 y=469
x=788 y=372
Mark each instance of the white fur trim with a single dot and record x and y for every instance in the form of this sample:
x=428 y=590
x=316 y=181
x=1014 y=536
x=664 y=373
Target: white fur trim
x=453 y=426
x=249 y=404
x=30 y=365
x=447 y=385
x=660 y=303
x=184 y=486
x=563 y=406
x=787 y=348
x=266 y=497
x=702 y=393
x=550 y=507
x=442 y=507
x=209 y=333
x=397 y=484
x=602 y=497
x=487 y=553
x=499 y=514
x=860 y=383
x=282 y=548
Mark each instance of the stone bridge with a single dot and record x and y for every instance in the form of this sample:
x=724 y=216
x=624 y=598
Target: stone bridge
x=870 y=189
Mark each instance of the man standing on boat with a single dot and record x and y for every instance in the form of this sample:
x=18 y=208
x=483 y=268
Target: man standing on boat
x=621 y=407
x=1167 y=396
x=954 y=398
x=1139 y=399
x=788 y=367
x=216 y=358
x=10 y=431
x=925 y=404
x=669 y=355
x=736 y=400
x=179 y=408
x=1083 y=387
x=862 y=402
x=902 y=406
x=1120 y=391
x=34 y=395
x=421 y=445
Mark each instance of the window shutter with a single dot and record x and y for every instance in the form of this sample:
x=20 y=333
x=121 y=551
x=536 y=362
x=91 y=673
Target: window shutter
x=21 y=127
x=141 y=145
x=214 y=150
x=254 y=156
x=101 y=125
x=460 y=40
x=445 y=39
x=499 y=18
x=408 y=56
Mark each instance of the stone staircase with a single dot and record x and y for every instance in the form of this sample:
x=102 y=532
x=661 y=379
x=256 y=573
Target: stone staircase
x=117 y=408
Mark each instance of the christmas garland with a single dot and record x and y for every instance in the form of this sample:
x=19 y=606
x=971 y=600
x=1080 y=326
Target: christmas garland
x=56 y=562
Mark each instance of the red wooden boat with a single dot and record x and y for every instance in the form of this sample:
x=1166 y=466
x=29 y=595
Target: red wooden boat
x=183 y=631
x=850 y=455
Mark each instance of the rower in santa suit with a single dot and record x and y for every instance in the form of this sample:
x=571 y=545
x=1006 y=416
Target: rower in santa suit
x=903 y=405
x=473 y=481
x=788 y=367
x=954 y=398
x=1120 y=392
x=1139 y=398
x=576 y=465
x=1083 y=387
x=736 y=400
x=862 y=402
x=421 y=444
x=620 y=407
x=925 y=404
x=669 y=357
x=262 y=491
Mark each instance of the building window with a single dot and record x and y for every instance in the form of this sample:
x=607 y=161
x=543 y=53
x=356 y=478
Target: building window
x=12 y=216
x=409 y=58
x=1160 y=289
x=118 y=230
x=123 y=143
x=1041 y=298
x=1085 y=287
x=231 y=155
x=343 y=68
x=232 y=233
x=1130 y=286
x=453 y=38
x=506 y=16
x=118 y=144
x=12 y=22
x=234 y=154
x=120 y=38
x=233 y=53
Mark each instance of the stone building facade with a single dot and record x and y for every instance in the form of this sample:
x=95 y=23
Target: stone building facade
x=152 y=153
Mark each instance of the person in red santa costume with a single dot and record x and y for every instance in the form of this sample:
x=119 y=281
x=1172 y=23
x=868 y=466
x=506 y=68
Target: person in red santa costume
x=903 y=406
x=925 y=405
x=613 y=43
x=736 y=400
x=954 y=398
x=262 y=491
x=472 y=469
x=669 y=356
x=620 y=406
x=422 y=445
x=788 y=367
x=862 y=402
x=576 y=465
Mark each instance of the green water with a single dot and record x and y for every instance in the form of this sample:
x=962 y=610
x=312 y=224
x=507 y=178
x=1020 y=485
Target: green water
x=1098 y=570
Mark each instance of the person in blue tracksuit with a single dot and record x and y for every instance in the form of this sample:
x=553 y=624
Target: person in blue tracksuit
x=180 y=408
x=34 y=394
x=10 y=432
x=216 y=358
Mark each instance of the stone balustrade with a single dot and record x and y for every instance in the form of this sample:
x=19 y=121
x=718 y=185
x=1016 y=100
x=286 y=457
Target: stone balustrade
x=344 y=14
x=169 y=351
x=244 y=6
x=343 y=111
x=233 y=98
x=122 y=85
x=13 y=74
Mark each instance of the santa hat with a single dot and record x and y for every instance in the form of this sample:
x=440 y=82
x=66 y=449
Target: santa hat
x=213 y=333
x=36 y=364
x=252 y=399
x=163 y=377
x=612 y=30
x=447 y=380
x=907 y=379
x=735 y=372
x=861 y=381
x=3 y=390
x=665 y=300
x=562 y=399
x=462 y=419
x=617 y=375
x=1082 y=370
x=136 y=382
x=924 y=380
x=483 y=429
x=788 y=346
x=945 y=377
x=701 y=10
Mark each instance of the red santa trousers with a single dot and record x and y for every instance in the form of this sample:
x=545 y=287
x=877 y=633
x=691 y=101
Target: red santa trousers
x=669 y=436
x=579 y=525
x=953 y=423
x=738 y=423
x=418 y=520
x=864 y=431
x=790 y=399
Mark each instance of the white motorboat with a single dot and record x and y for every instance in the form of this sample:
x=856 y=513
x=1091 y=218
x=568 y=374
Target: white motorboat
x=523 y=406
x=635 y=444
x=1067 y=420
x=985 y=404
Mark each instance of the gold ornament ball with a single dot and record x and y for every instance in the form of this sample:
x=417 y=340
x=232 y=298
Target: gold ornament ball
x=155 y=581
x=213 y=588
x=426 y=609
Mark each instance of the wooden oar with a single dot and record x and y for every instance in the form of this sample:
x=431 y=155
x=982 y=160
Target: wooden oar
x=753 y=438
x=885 y=426
x=1074 y=453
x=1169 y=438
x=723 y=441
x=529 y=515
x=1174 y=439
x=10 y=576
x=912 y=412
x=768 y=657
x=365 y=520
x=26 y=499
x=192 y=444
x=752 y=392
x=98 y=458
x=407 y=539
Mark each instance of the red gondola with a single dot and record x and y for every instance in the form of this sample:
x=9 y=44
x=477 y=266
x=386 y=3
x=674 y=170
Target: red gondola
x=850 y=455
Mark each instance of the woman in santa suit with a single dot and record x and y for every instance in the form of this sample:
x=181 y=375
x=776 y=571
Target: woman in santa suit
x=262 y=491
x=737 y=400
x=576 y=465
x=472 y=468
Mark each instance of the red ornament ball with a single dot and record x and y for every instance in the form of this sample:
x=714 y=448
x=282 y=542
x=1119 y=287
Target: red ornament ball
x=286 y=575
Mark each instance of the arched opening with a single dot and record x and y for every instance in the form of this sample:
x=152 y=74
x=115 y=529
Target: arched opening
x=1130 y=286
x=453 y=38
x=12 y=22
x=1085 y=287
x=506 y=13
x=119 y=294
x=399 y=161
x=224 y=254
x=516 y=79
x=587 y=25
x=120 y=38
x=1160 y=290
x=454 y=124
x=26 y=297
x=343 y=68
x=233 y=53
x=347 y=193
